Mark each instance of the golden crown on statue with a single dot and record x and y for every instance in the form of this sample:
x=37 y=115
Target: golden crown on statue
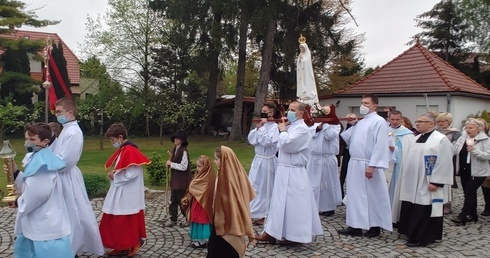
x=301 y=39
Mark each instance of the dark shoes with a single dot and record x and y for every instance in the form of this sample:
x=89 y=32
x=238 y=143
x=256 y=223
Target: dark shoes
x=327 y=213
x=350 y=231
x=411 y=243
x=373 y=232
x=485 y=213
x=462 y=221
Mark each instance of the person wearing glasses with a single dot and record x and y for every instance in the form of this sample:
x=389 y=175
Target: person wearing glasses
x=444 y=121
x=426 y=169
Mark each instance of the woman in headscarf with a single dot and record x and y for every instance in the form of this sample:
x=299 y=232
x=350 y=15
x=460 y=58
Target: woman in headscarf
x=231 y=210
x=198 y=202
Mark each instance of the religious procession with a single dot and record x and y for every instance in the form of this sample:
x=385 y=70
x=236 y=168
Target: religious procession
x=388 y=175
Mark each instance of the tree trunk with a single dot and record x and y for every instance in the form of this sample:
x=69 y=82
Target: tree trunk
x=101 y=133
x=265 y=69
x=161 y=133
x=236 y=129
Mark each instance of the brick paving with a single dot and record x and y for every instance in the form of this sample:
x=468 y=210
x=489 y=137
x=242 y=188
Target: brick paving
x=471 y=240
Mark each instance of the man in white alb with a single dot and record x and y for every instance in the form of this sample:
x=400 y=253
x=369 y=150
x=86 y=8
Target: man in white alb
x=264 y=138
x=367 y=202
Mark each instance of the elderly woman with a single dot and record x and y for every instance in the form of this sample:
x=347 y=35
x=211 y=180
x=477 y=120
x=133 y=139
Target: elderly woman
x=472 y=161
x=444 y=121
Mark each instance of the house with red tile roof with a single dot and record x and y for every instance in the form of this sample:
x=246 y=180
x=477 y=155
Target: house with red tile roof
x=72 y=61
x=415 y=82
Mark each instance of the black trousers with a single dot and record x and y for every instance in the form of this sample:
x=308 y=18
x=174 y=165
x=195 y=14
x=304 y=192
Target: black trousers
x=175 y=197
x=470 y=186
x=343 y=170
x=486 y=197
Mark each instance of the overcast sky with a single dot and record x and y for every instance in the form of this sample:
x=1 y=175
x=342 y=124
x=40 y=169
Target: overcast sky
x=387 y=24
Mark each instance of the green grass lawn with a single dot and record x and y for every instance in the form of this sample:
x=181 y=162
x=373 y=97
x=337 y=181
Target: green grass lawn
x=93 y=159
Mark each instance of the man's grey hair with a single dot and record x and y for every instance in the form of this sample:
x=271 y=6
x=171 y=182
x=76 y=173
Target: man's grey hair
x=430 y=117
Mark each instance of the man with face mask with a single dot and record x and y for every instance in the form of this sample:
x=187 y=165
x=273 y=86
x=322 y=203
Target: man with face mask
x=367 y=201
x=264 y=138
x=293 y=215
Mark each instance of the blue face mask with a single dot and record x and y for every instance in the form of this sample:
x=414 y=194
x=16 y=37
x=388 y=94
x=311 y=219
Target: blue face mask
x=292 y=116
x=62 y=119
x=117 y=144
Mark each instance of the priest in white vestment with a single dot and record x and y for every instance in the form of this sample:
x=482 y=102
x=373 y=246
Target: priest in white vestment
x=293 y=216
x=401 y=136
x=322 y=167
x=264 y=138
x=367 y=201
x=85 y=236
x=427 y=168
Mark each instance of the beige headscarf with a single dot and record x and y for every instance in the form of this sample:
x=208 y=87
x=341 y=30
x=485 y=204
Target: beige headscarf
x=202 y=187
x=232 y=201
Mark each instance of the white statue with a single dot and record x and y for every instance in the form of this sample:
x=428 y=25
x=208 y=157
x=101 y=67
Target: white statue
x=305 y=79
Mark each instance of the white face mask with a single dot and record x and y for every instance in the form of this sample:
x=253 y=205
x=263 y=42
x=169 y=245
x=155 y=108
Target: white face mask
x=363 y=110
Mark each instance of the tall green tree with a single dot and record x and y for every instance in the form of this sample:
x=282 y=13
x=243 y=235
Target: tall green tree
x=448 y=34
x=123 y=38
x=97 y=108
x=444 y=31
x=211 y=26
x=477 y=16
x=16 y=79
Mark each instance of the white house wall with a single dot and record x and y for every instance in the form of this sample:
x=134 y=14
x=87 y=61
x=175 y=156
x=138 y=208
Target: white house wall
x=462 y=107
x=412 y=107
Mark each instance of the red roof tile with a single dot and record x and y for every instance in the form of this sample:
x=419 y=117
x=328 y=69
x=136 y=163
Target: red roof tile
x=417 y=70
x=72 y=60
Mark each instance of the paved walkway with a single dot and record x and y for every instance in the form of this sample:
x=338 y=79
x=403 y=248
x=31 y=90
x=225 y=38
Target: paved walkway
x=471 y=240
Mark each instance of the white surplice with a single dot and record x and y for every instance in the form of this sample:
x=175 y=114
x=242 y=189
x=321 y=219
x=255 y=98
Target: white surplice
x=368 y=203
x=293 y=212
x=423 y=163
x=263 y=168
x=126 y=195
x=85 y=236
x=322 y=168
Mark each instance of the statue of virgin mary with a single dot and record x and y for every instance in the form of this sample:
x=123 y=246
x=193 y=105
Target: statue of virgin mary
x=305 y=79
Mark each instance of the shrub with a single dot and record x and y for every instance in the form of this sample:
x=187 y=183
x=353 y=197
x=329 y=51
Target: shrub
x=96 y=185
x=156 y=169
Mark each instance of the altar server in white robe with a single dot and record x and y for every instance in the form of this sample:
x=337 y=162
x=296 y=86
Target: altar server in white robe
x=367 y=201
x=42 y=226
x=427 y=168
x=322 y=167
x=293 y=216
x=401 y=137
x=85 y=236
x=264 y=138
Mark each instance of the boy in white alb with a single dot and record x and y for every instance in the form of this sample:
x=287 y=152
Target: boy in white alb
x=68 y=146
x=42 y=225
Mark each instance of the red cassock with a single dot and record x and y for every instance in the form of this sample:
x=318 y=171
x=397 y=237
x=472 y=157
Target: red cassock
x=122 y=232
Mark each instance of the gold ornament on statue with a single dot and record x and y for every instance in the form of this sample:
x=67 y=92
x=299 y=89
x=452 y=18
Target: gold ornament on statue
x=7 y=154
x=301 y=39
